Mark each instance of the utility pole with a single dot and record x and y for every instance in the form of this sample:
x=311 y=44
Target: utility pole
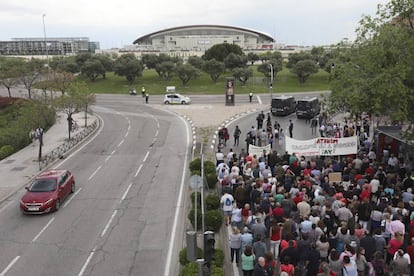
x=271 y=81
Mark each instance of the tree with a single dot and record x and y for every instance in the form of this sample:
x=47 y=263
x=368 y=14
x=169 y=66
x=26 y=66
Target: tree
x=86 y=99
x=233 y=61
x=187 y=72
x=295 y=57
x=150 y=60
x=252 y=57
x=106 y=62
x=9 y=73
x=221 y=51
x=80 y=59
x=70 y=103
x=29 y=72
x=214 y=69
x=303 y=69
x=242 y=74
x=166 y=69
x=128 y=66
x=196 y=61
x=374 y=75
x=265 y=67
x=62 y=80
x=92 y=69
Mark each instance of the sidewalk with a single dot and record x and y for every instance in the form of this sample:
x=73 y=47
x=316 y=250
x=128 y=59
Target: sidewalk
x=18 y=169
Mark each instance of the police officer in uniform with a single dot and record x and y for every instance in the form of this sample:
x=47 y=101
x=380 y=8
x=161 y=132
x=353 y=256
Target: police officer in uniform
x=250 y=96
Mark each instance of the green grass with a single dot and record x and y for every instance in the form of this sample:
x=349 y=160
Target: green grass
x=284 y=82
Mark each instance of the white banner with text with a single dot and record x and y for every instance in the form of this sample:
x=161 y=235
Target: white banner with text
x=322 y=146
x=258 y=151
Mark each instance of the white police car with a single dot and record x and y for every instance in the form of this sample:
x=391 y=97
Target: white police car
x=175 y=98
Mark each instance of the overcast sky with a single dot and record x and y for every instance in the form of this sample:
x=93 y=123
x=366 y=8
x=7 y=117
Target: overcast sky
x=115 y=23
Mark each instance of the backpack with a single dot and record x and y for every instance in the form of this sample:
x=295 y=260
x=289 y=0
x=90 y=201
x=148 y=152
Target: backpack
x=251 y=220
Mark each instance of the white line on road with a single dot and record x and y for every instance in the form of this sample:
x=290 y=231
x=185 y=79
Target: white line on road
x=70 y=199
x=93 y=174
x=109 y=223
x=87 y=262
x=146 y=156
x=177 y=208
x=139 y=169
x=109 y=156
x=259 y=100
x=10 y=265
x=120 y=143
x=126 y=192
x=44 y=229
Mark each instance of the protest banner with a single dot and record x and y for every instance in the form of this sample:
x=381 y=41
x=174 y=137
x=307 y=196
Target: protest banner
x=258 y=151
x=322 y=146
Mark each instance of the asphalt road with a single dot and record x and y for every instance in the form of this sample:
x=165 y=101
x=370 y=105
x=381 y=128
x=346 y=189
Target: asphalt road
x=123 y=218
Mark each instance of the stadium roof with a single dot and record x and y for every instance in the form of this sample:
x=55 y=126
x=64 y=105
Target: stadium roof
x=193 y=27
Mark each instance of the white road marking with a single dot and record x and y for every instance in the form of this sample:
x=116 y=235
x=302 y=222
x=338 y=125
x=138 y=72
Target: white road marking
x=109 y=156
x=87 y=262
x=10 y=265
x=70 y=199
x=126 y=192
x=93 y=174
x=146 y=156
x=44 y=229
x=259 y=100
x=139 y=169
x=120 y=143
x=109 y=223
x=177 y=208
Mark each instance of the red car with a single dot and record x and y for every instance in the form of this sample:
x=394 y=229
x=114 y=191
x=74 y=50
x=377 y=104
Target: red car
x=47 y=191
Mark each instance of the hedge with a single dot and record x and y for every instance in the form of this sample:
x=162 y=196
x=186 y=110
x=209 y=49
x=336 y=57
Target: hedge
x=183 y=255
x=6 y=151
x=212 y=202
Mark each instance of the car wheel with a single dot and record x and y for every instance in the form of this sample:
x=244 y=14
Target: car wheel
x=72 y=188
x=166 y=102
x=182 y=102
x=57 y=206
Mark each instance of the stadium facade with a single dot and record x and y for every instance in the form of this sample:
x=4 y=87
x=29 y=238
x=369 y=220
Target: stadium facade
x=194 y=40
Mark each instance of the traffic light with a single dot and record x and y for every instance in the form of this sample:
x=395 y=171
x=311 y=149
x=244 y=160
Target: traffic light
x=209 y=242
x=271 y=85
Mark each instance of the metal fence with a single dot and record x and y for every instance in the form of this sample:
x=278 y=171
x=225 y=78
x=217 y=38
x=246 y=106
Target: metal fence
x=59 y=152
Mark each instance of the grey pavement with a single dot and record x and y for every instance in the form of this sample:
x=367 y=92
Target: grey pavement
x=18 y=169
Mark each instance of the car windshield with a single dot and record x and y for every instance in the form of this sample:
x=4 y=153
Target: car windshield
x=304 y=104
x=43 y=185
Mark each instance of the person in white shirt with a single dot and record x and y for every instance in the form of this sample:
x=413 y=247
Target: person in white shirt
x=227 y=201
x=374 y=184
x=219 y=157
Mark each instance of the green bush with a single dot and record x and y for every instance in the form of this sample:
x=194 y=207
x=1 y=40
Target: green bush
x=209 y=167
x=195 y=172
x=218 y=258
x=183 y=255
x=211 y=180
x=195 y=165
x=192 y=219
x=217 y=271
x=213 y=220
x=189 y=269
x=212 y=202
x=6 y=151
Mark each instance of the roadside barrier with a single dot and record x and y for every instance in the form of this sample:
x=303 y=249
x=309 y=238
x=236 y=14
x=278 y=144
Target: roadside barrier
x=59 y=152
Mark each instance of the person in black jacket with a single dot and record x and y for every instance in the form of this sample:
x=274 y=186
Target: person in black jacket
x=259 y=268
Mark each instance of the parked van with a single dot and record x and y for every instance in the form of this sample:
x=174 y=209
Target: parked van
x=308 y=107
x=283 y=105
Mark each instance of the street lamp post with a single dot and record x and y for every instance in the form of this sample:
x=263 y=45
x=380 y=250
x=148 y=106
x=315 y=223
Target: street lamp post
x=271 y=81
x=47 y=51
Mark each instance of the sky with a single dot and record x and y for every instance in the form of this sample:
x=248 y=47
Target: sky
x=116 y=23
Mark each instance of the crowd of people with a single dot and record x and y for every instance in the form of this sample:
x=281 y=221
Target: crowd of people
x=288 y=218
